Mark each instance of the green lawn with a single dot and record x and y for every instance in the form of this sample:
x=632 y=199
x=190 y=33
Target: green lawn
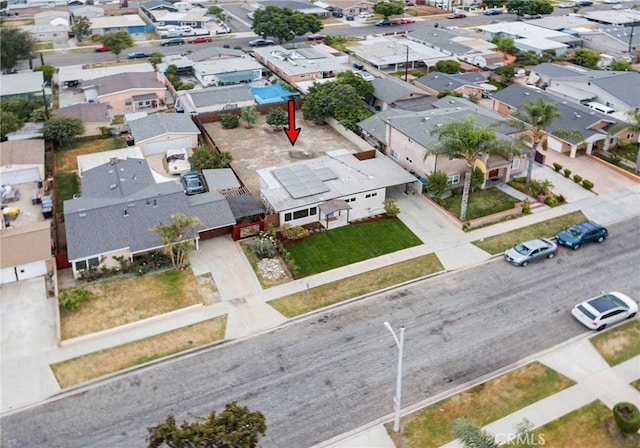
x=66 y=187
x=350 y=244
x=481 y=203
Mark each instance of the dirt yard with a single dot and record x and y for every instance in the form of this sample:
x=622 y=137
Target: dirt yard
x=262 y=147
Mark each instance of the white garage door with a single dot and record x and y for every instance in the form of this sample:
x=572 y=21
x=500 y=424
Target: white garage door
x=20 y=176
x=162 y=147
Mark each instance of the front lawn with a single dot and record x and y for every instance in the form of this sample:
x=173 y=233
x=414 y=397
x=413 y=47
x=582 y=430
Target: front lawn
x=350 y=244
x=483 y=404
x=481 y=203
x=589 y=426
x=619 y=344
x=545 y=229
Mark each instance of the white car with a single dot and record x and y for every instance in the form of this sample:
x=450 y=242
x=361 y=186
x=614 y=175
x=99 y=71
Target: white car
x=611 y=2
x=567 y=5
x=365 y=15
x=605 y=309
x=364 y=75
x=178 y=161
x=620 y=6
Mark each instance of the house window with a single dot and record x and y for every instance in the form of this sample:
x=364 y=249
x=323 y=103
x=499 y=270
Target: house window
x=408 y=159
x=287 y=217
x=515 y=163
x=127 y=102
x=306 y=75
x=86 y=264
x=370 y=195
x=630 y=136
x=394 y=154
x=94 y=262
x=81 y=265
x=453 y=179
x=350 y=200
x=410 y=140
x=313 y=211
x=299 y=214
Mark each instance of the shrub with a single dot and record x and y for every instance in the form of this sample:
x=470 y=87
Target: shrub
x=557 y=167
x=567 y=172
x=456 y=192
x=391 y=208
x=577 y=178
x=229 y=121
x=561 y=199
x=264 y=245
x=526 y=208
x=293 y=232
x=551 y=201
x=71 y=299
x=587 y=184
x=627 y=417
x=437 y=184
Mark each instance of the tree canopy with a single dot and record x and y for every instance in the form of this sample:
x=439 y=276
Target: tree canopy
x=632 y=124
x=178 y=238
x=117 y=41
x=363 y=88
x=620 y=65
x=388 y=8
x=234 y=427
x=448 y=66
x=284 y=23
x=586 y=58
x=47 y=70
x=16 y=45
x=464 y=139
x=63 y=129
x=204 y=158
x=81 y=27
x=336 y=99
x=531 y=7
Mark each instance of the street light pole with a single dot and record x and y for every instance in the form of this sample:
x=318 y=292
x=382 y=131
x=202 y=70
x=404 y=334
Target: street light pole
x=398 y=398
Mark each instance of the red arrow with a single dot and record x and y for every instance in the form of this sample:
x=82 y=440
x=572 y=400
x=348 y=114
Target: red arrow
x=291 y=131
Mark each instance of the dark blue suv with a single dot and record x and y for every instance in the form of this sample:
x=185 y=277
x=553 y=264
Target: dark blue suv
x=585 y=232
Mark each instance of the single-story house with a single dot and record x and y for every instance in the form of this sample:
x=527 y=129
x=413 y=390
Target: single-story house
x=391 y=92
x=535 y=38
x=26 y=250
x=228 y=71
x=195 y=18
x=157 y=133
x=214 y=99
x=463 y=83
x=55 y=18
x=122 y=199
x=21 y=162
x=354 y=7
x=392 y=53
x=130 y=23
x=90 y=12
x=303 y=7
x=48 y=33
x=128 y=91
x=24 y=85
x=94 y=116
x=150 y=7
x=333 y=190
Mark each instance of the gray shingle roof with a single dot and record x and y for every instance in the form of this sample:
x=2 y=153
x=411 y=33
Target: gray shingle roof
x=89 y=112
x=221 y=95
x=443 y=81
x=155 y=125
x=126 y=81
x=574 y=116
x=376 y=126
x=106 y=219
x=244 y=205
x=440 y=38
x=390 y=89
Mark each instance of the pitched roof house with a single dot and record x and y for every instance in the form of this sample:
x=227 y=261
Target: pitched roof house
x=391 y=92
x=127 y=91
x=463 y=83
x=94 y=116
x=214 y=99
x=122 y=199
x=21 y=161
x=25 y=251
x=157 y=133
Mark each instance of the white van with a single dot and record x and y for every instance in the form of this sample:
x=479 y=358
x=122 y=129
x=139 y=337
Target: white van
x=600 y=108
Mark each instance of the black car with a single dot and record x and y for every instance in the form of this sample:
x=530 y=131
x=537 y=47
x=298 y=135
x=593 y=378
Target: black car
x=168 y=42
x=192 y=183
x=260 y=42
x=350 y=17
x=584 y=3
x=337 y=14
x=385 y=22
x=492 y=12
x=585 y=232
x=139 y=55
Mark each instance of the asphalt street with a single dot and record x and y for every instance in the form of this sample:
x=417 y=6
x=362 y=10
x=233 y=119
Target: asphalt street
x=330 y=372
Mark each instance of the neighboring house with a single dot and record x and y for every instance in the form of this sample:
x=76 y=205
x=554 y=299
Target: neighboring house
x=54 y=18
x=614 y=40
x=617 y=90
x=48 y=33
x=94 y=116
x=463 y=83
x=467 y=48
x=70 y=75
x=408 y=136
x=157 y=133
x=214 y=99
x=26 y=250
x=122 y=199
x=613 y=17
x=90 y=12
x=299 y=6
x=130 y=23
x=392 y=53
x=529 y=37
x=391 y=92
x=374 y=128
x=354 y=7
x=195 y=18
x=592 y=125
x=21 y=162
x=127 y=91
x=333 y=190
x=153 y=6
x=302 y=66
x=228 y=71
x=24 y=85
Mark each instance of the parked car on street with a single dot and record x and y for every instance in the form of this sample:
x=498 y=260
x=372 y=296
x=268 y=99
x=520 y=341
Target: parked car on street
x=606 y=309
x=457 y=15
x=177 y=161
x=364 y=75
x=365 y=15
x=201 y=39
x=137 y=55
x=313 y=37
x=566 y=5
x=385 y=22
x=493 y=12
x=260 y=42
x=584 y=232
x=584 y=3
x=524 y=253
x=170 y=42
x=102 y=48
x=532 y=16
x=618 y=7
x=405 y=20
x=192 y=183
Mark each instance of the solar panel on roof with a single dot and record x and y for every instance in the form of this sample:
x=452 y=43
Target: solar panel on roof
x=325 y=174
x=300 y=181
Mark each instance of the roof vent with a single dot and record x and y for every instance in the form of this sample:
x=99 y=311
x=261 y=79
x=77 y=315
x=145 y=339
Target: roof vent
x=113 y=187
x=82 y=215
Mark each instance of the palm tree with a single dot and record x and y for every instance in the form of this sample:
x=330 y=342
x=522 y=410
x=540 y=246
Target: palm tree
x=538 y=114
x=178 y=237
x=464 y=139
x=633 y=125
